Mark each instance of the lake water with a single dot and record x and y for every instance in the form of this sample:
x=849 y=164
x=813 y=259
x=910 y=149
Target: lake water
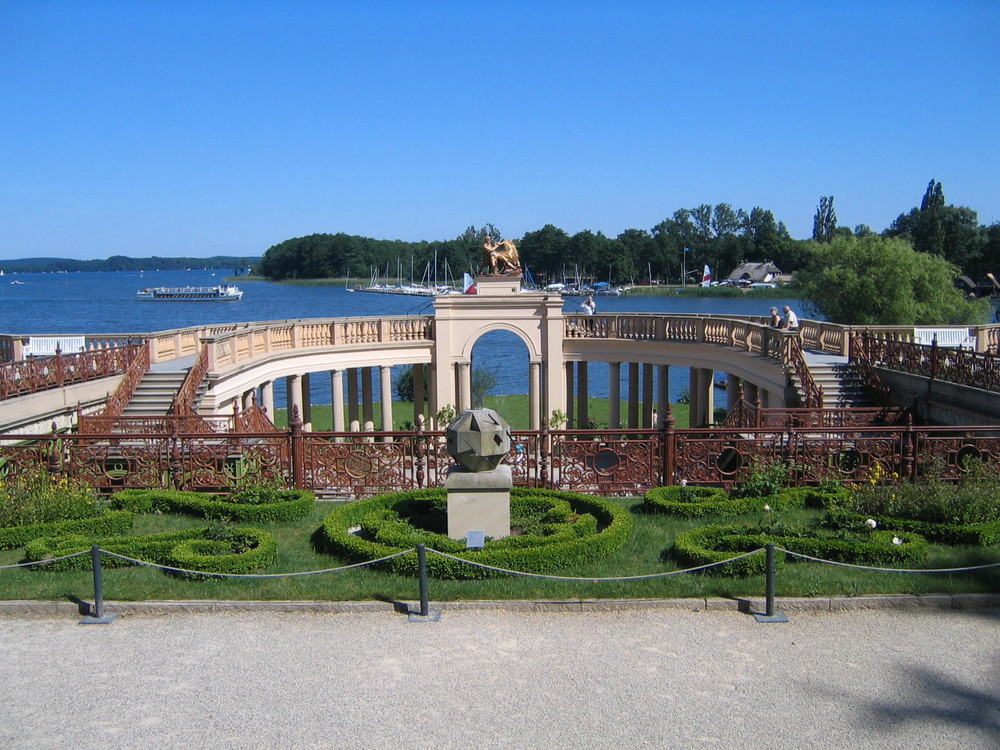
x=102 y=303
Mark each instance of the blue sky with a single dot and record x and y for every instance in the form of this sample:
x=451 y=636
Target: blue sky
x=201 y=128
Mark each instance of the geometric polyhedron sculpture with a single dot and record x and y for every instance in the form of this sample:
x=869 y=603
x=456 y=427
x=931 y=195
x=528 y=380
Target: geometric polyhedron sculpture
x=478 y=439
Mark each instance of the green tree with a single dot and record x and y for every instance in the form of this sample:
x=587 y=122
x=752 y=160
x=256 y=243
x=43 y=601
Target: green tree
x=874 y=280
x=953 y=232
x=825 y=220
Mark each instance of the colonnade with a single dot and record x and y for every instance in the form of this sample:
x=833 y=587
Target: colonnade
x=354 y=410
x=638 y=405
x=647 y=390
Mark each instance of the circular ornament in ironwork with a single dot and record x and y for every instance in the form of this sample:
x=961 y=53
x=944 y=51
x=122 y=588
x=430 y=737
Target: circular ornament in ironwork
x=116 y=467
x=849 y=461
x=966 y=456
x=358 y=465
x=606 y=461
x=728 y=461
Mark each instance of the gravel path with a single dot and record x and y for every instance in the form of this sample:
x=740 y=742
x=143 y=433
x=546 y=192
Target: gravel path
x=500 y=679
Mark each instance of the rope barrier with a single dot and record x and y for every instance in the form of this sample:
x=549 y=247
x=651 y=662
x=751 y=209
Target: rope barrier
x=888 y=570
x=43 y=562
x=594 y=580
x=255 y=575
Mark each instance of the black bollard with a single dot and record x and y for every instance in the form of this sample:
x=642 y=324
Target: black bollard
x=769 y=614
x=425 y=614
x=97 y=616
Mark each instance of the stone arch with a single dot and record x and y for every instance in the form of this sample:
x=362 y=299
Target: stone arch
x=534 y=354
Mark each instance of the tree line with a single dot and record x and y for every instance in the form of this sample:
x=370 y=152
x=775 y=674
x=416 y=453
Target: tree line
x=124 y=263
x=720 y=236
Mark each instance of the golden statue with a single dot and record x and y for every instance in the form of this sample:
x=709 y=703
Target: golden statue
x=504 y=252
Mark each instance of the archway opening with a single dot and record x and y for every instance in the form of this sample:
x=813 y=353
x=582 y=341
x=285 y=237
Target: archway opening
x=500 y=376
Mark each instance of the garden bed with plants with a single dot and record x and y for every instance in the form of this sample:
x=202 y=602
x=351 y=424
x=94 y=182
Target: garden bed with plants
x=634 y=537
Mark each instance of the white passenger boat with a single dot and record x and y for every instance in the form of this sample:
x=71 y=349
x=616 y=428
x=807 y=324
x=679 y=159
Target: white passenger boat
x=219 y=293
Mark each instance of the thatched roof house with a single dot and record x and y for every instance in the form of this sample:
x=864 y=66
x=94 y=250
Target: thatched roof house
x=765 y=272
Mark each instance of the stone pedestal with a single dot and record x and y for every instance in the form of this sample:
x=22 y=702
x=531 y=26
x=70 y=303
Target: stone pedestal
x=479 y=500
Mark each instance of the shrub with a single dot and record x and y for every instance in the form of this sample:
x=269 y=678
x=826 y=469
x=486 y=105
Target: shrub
x=244 y=550
x=36 y=496
x=110 y=523
x=690 y=501
x=764 y=480
x=258 y=505
x=565 y=529
x=714 y=543
x=975 y=500
x=973 y=534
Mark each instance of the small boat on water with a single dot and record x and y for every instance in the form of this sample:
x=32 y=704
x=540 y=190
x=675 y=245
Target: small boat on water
x=218 y=293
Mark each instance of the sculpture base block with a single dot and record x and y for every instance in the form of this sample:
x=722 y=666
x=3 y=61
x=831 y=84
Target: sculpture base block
x=479 y=500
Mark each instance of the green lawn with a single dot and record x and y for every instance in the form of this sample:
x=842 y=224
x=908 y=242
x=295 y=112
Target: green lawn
x=644 y=553
x=513 y=408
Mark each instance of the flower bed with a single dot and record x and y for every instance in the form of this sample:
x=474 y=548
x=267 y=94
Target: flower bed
x=561 y=529
x=715 y=543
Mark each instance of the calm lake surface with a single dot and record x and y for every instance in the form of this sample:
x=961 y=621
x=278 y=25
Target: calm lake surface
x=96 y=303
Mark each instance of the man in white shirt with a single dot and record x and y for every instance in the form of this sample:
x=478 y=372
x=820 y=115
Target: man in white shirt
x=790 y=321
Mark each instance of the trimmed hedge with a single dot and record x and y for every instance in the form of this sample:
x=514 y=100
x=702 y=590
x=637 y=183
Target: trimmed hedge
x=690 y=501
x=574 y=529
x=112 y=522
x=293 y=505
x=244 y=550
x=973 y=534
x=715 y=543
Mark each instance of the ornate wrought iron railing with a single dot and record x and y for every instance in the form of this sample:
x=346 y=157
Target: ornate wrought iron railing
x=183 y=403
x=951 y=364
x=137 y=367
x=44 y=373
x=619 y=462
x=797 y=363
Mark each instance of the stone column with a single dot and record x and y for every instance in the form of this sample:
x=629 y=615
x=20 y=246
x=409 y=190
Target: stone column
x=647 y=396
x=694 y=395
x=293 y=395
x=708 y=387
x=569 y=395
x=464 y=386
x=267 y=398
x=614 y=394
x=306 y=403
x=337 y=399
x=352 y=400
x=633 y=394
x=385 y=385
x=418 y=392
x=732 y=391
x=367 y=400
x=582 y=394
x=534 y=395
x=662 y=394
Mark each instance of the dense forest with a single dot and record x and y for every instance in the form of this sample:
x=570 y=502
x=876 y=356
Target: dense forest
x=720 y=236
x=122 y=263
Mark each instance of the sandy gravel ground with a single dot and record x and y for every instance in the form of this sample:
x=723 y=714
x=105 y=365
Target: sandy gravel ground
x=499 y=679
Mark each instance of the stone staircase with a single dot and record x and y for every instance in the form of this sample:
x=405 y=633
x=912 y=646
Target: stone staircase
x=842 y=385
x=155 y=392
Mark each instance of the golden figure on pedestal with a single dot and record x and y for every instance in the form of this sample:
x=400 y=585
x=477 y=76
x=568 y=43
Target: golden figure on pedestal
x=497 y=253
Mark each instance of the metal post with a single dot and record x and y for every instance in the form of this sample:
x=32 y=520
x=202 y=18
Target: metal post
x=98 y=616
x=425 y=614
x=422 y=565
x=769 y=614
